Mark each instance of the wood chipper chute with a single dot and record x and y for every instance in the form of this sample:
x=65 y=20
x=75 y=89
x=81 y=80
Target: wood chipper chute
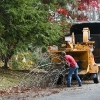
x=82 y=53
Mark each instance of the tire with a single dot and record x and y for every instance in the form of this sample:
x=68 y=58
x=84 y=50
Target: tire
x=96 y=79
x=60 y=79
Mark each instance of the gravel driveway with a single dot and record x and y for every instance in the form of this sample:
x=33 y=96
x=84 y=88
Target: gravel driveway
x=88 y=91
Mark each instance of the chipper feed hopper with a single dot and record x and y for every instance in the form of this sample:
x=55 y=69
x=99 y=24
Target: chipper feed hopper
x=81 y=52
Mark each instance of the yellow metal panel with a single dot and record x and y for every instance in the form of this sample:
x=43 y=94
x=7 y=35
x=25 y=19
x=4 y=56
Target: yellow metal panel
x=93 y=69
x=83 y=72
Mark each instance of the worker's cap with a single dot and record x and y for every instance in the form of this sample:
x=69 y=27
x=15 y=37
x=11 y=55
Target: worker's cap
x=63 y=53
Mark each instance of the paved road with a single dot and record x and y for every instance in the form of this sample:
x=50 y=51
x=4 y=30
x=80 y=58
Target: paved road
x=89 y=91
x=86 y=92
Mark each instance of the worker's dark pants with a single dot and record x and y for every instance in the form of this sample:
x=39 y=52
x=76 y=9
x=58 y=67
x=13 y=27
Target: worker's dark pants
x=75 y=71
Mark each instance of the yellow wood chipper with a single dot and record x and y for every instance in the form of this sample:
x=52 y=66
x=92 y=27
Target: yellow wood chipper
x=82 y=53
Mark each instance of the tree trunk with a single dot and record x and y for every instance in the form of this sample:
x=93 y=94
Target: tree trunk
x=5 y=60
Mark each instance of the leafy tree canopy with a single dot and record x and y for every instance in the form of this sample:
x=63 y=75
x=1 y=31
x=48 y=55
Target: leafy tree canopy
x=23 y=22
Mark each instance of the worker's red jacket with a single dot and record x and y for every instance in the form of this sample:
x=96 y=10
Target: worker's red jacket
x=70 y=60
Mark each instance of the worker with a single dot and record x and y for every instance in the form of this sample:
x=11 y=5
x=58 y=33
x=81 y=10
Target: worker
x=70 y=61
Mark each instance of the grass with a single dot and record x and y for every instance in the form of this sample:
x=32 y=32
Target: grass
x=10 y=78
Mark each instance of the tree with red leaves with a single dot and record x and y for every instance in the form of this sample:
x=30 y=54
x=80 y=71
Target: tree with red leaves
x=88 y=10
